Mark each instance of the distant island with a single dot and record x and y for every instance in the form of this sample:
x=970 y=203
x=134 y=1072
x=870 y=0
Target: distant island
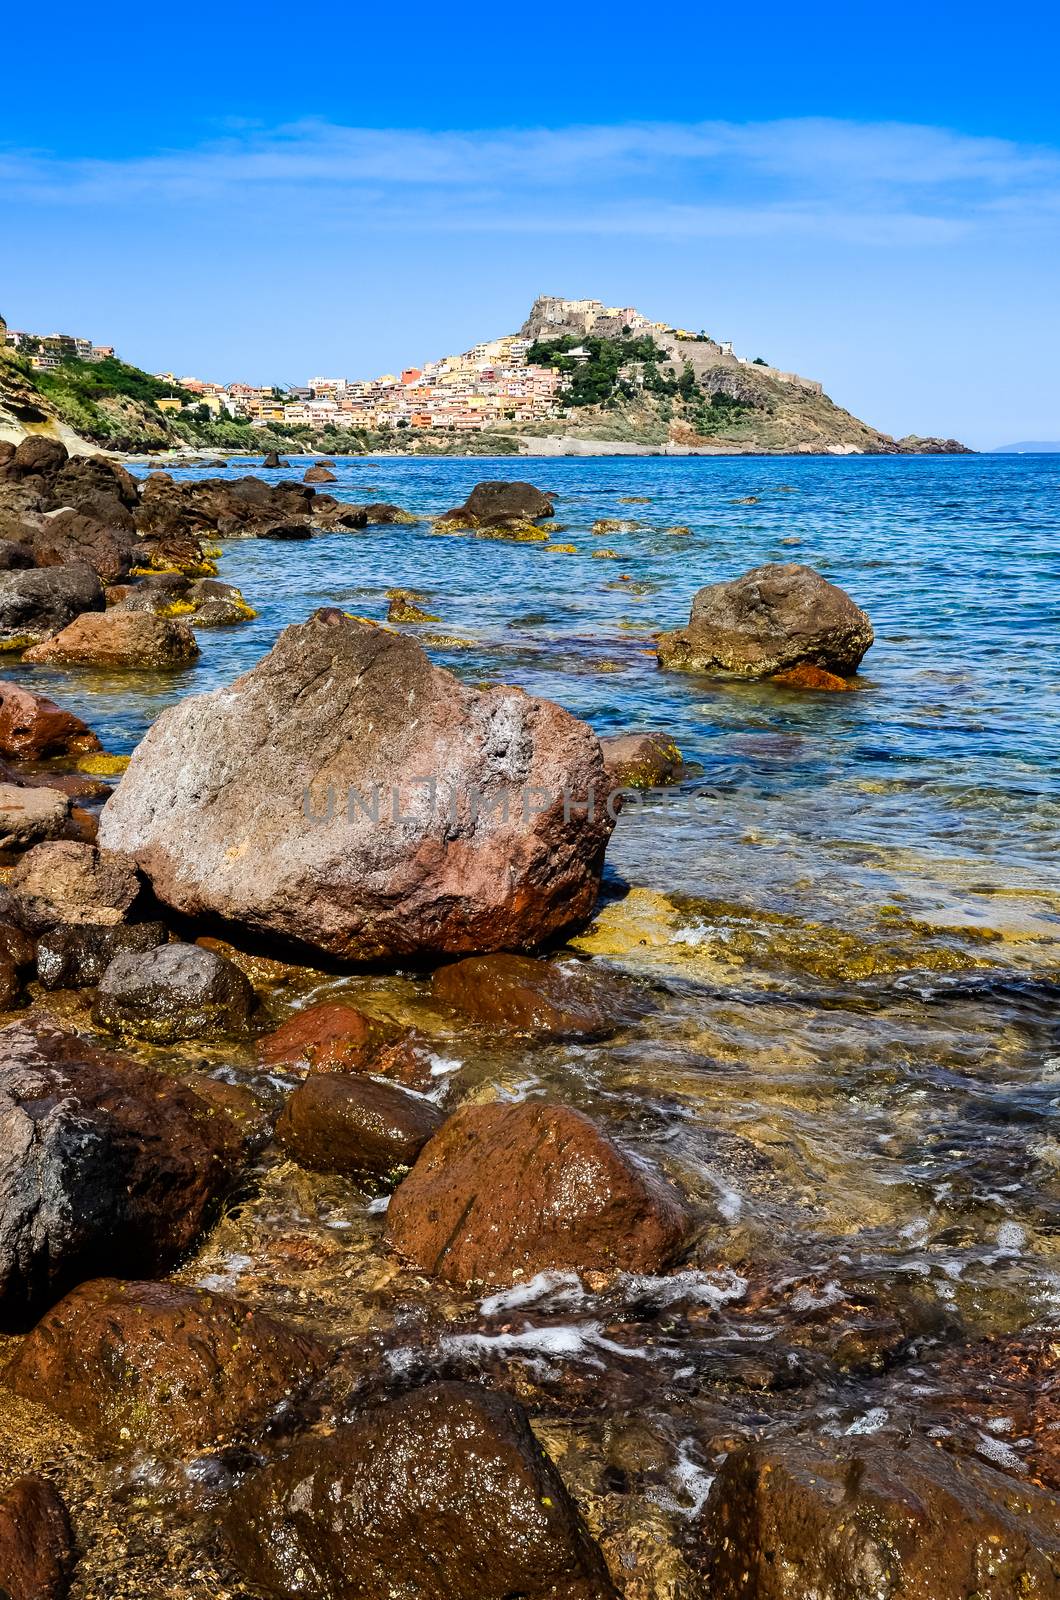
x=579 y=377
x=1029 y=447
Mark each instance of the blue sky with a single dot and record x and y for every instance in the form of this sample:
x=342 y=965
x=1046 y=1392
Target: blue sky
x=869 y=197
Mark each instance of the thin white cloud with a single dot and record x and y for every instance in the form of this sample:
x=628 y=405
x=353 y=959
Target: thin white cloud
x=875 y=182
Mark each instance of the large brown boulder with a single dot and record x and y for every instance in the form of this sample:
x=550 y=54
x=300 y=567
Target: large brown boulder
x=319 y=474
x=343 y=1122
x=547 y=999
x=493 y=1198
x=121 y=639
x=376 y=827
x=39 y=456
x=40 y=602
x=844 y=1522
x=173 y=991
x=228 y=508
x=443 y=1494
x=160 y=1366
x=332 y=1037
x=36 y=1542
x=32 y=726
x=498 y=503
x=107 y=1166
x=772 y=618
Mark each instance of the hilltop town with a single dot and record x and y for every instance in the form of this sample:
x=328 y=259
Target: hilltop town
x=577 y=372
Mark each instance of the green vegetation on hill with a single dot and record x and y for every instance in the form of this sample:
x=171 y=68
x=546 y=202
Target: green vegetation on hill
x=104 y=400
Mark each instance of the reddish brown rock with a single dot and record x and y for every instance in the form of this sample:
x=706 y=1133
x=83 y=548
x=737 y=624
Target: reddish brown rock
x=339 y=840
x=443 y=1494
x=68 y=535
x=808 y=677
x=774 y=617
x=506 y=1191
x=32 y=726
x=549 y=999
x=118 y=638
x=36 y=1542
x=329 y=1036
x=841 y=1523
x=160 y=1366
x=319 y=474
x=342 y=1122
x=108 y=1166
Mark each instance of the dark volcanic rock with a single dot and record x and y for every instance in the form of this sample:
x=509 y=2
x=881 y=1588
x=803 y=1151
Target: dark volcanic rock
x=69 y=882
x=174 y=991
x=768 y=620
x=383 y=512
x=358 y=716
x=69 y=535
x=36 y=1542
x=32 y=726
x=342 y=1122
x=493 y=504
x=38 y=603
x=77 y=956
x=332 y=513
x=272 y=459
x=556 y=1000
x=230 y=508
x=641 y=760
x=504 y=1191
x=39 y=456
x=14 y=555
x=443 y=1494
x=159 y=1366
x=842 y=1523
x=105 y=1166
x=118 y=638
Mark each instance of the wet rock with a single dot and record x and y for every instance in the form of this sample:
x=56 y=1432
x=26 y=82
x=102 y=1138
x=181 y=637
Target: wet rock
x=68 y=535
x=38 y=603
x=28 y=815
x=328 y=1036
x=319 y=474
x=808 y=677
x=495 y=503
x=118 y=638
x=772 y=618
x=341 y=1122
x=840 y=1522
x=107 y=1166
x=32 y=726
x=230 y=508
x=68 y=882
x=272 y=460
x=382 y=513
x=160 y=1366
x=403 y=608
x=36 y=1542
x=641 y=760
x=549 y=999
x=504 y=1191
x=368 y=861
x=328 y=512
x=174 y=991
x=77 y=956
x=443 y=1494
x=1008 y=1389
x=217 y=604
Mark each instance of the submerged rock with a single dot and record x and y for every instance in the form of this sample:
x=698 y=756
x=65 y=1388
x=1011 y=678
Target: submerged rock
x=38 y=603
x=159 y=1366
x=119 y=638
x=506 y=1191
x=841 y=1522
x=174 y=991
x=70 y=882
x=334 y=1037
x=377 y=827
x=641 y=760
x=36 y=1542
x=808 y=677
x=443 y=1494
x=772 y=618
x=342 y=1122
x=32 y=726
x=547 y=999
x=107 y=1166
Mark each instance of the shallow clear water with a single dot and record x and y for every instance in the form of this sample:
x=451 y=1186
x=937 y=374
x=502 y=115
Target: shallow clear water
x=852 y=937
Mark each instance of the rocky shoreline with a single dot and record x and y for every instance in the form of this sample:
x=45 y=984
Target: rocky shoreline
x=240 y=974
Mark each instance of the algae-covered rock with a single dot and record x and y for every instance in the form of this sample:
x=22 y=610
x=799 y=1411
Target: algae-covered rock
x=173 y=991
